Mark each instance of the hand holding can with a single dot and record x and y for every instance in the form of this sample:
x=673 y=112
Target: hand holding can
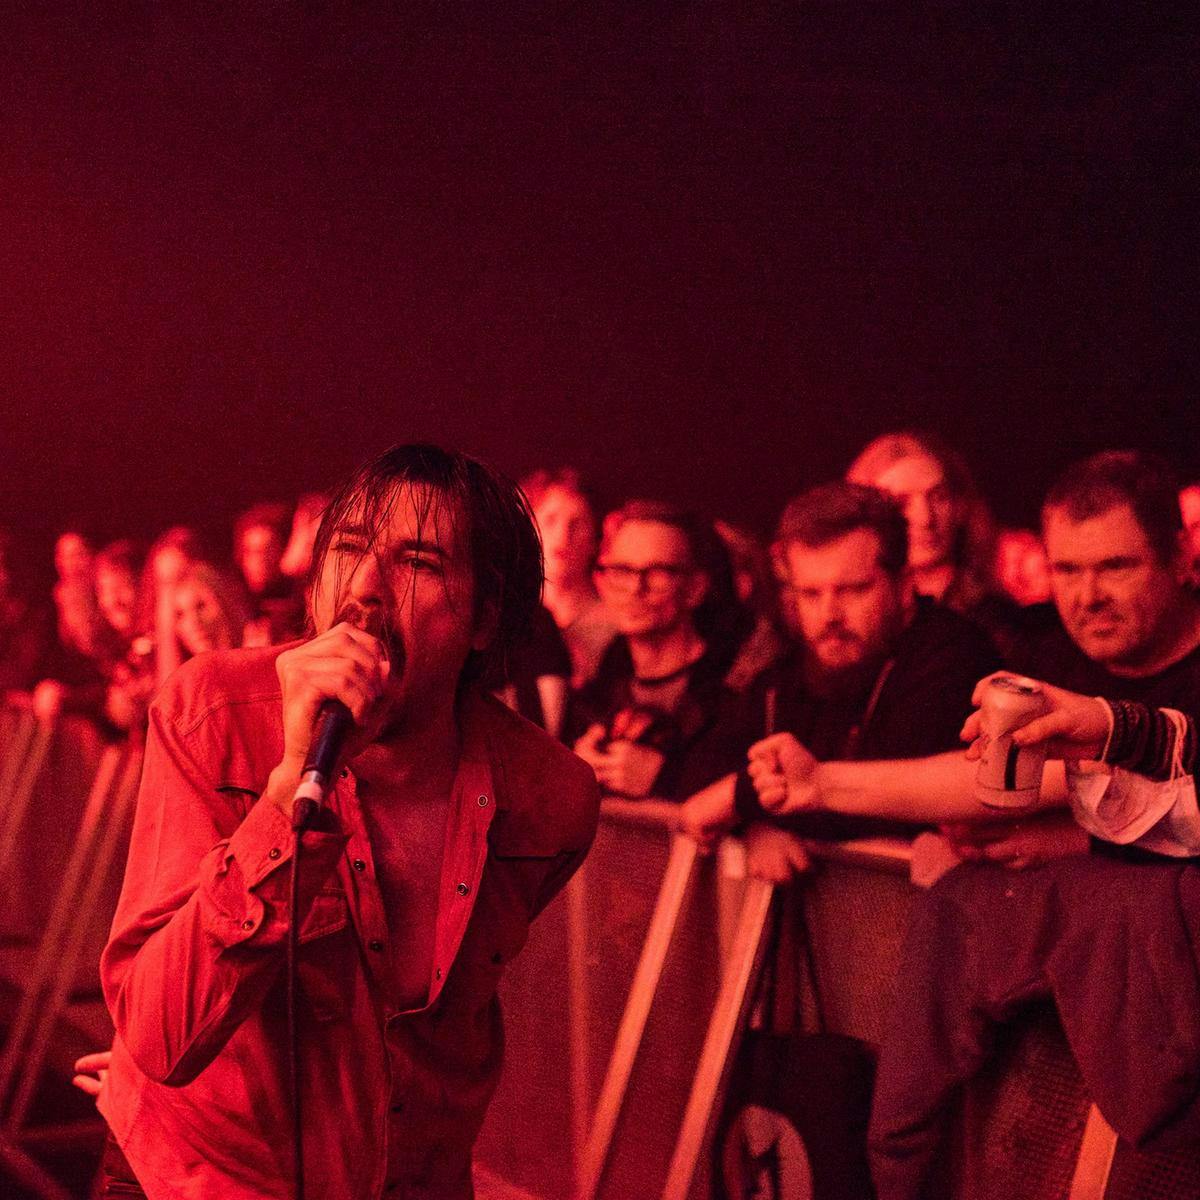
x=1009 y=776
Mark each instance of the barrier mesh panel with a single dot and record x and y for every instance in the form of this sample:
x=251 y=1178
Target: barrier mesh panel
x=1023 y=1117
x=1138 y=1176
x=857 y=919
x=561 y=1021
x=663 y=1074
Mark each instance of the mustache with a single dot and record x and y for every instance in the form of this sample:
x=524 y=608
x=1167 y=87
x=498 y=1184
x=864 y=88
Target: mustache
x=375 y=622
x=837 y=631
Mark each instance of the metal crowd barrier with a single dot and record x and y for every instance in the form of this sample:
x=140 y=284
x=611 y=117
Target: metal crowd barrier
x=626 y=1009
x=65 y=816
x=623 y=1013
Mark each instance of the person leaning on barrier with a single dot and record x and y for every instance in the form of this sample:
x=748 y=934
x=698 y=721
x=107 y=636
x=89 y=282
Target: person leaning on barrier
x=1128 y=627
x=1108 y=934
x=879 y=672
x=667 y=585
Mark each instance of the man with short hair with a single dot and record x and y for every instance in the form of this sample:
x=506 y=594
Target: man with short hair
x=1083 y=930
x=880 y=672
x=451 y=825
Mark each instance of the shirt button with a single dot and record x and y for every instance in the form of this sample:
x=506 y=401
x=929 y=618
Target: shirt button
x=464 y=889
x=482 y=801
x=437 y=974
x=375 y=944
x=247 y=924
x=359 y=865
x=274 y=852
x=344 y=773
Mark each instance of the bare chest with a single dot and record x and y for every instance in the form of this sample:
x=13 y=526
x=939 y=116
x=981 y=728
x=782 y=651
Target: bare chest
x=408 y=834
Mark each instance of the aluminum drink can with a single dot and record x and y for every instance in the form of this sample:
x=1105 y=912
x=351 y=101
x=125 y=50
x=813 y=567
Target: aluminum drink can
x=1009 y=776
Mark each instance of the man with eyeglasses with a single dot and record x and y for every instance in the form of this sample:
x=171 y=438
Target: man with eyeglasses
x=665 y=580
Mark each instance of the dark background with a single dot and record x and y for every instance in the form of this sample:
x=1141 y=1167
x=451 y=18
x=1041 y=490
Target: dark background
x=702 y=251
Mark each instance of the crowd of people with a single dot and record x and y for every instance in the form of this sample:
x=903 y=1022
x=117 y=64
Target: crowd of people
x=812 y=687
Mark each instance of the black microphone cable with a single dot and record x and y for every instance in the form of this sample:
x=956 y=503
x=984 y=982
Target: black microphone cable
x=333 y=723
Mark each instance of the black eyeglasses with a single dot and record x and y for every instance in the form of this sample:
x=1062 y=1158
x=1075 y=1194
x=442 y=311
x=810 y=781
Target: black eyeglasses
x=657 y=577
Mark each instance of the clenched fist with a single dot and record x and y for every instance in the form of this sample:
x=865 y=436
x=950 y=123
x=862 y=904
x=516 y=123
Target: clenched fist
x=784 y=775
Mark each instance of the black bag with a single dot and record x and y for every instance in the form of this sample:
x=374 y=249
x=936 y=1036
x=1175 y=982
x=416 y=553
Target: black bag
x=794 y=1124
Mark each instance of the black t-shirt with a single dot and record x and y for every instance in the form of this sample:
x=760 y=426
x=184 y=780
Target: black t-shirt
x=676 y=728
x=1052 y=656
x=911 y=706
x=542 y=652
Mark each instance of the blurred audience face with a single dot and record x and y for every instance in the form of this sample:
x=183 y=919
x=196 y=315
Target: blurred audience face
x=200 y=622
x=116 y=597
x=1021 y=566
x=919 y=484
x=259 y=554
x=568 y=530
x=847 y=606
x=1189 y=505
x=306 y=520
x=1115 y=595
x=647 y=580
x=1189 y=508
x=169 y=564
x=72 y=558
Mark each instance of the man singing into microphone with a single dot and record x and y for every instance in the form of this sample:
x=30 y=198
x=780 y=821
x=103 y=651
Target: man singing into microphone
x=450 y=825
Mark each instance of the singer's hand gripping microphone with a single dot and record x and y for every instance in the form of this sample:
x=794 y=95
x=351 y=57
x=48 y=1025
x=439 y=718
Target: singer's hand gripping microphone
x=330 y=730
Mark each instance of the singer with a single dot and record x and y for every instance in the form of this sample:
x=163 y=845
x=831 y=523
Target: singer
x=450 y=824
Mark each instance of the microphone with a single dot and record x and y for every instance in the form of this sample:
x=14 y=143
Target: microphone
x=330 y=730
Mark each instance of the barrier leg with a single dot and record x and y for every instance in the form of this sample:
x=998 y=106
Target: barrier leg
x=678 y=876
x=724 y=1033
x=117 y=816
x=47 y=961
x=1095 y=1159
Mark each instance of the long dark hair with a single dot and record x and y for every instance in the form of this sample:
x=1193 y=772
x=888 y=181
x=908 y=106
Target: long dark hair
x=489 y=515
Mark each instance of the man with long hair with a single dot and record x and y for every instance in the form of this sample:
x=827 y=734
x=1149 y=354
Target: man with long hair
x=450 y=825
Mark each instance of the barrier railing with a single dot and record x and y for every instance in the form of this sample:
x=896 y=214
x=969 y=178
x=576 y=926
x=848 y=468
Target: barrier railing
x=623 y=1013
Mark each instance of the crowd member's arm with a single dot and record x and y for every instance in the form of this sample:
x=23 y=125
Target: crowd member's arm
x=935 y=789
x=200 y=929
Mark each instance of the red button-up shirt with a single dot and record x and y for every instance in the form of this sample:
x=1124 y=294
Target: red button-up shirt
x=197 y=1095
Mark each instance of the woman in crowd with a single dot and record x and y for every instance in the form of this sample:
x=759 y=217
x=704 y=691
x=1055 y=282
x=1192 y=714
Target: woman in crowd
x=666 y=583
x=566 y=519
x=165 y=563
x=950 y=529
x=211 y=611
x=110 y=683
x=74 y=596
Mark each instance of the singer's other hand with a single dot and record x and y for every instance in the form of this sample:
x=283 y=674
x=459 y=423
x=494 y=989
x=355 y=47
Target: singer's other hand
x=90 y=1071
x=343 y=664
x=784 y=774
x=1074 y=726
